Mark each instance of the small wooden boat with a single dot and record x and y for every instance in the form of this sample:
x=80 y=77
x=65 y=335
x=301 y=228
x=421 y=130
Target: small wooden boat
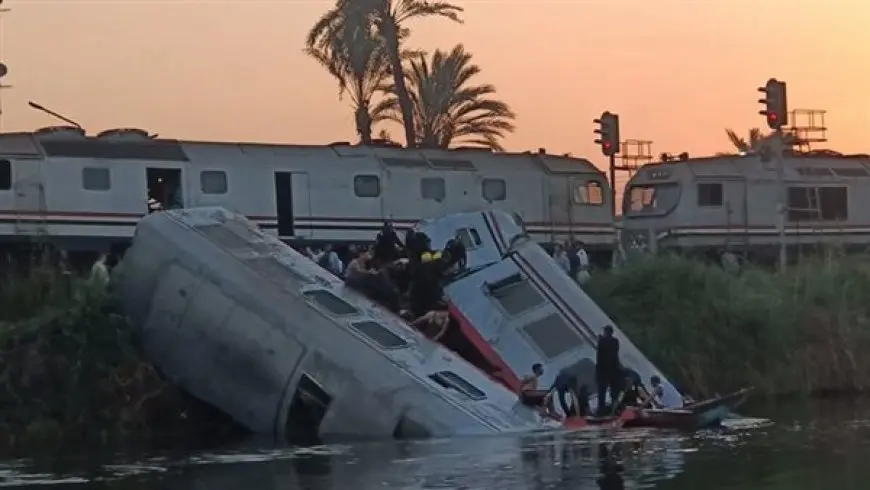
x=700 y=415
x=704 y=414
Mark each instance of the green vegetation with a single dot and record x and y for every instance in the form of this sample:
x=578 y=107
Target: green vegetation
x=70 y=371
x=803 y=331
x=361 y=43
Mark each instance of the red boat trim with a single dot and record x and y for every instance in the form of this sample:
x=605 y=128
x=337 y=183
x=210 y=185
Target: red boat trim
x=506 y=375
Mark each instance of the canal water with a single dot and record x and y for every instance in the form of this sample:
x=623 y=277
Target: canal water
x=801 y=446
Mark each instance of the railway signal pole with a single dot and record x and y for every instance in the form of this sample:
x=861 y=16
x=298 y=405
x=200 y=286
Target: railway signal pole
x=608 y=139
x=776 y=112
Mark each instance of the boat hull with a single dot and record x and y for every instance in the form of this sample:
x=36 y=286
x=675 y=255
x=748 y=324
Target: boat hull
x=701 y=415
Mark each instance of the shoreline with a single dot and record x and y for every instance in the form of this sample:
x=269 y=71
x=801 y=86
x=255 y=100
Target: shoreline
x=71 y=370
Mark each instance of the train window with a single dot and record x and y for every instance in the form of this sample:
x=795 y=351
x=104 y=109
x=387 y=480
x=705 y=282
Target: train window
x=642 y=197
x=330 y=302
x=213 y=182
x=652 y=199
x=493 y=190
x=850 y=172
x=514 y=294
x=367 y=186
x=5 y=175
x=96 y=179
x=710 y=194
x=553 y=336
x=433 y=188
x=469 y=237
x=379 y=334
x=453 y=381
x=817 y=204
x=589 y=192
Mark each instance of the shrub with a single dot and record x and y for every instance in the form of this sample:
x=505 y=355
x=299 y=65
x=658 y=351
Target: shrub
x=70 y=369
x=713 y=331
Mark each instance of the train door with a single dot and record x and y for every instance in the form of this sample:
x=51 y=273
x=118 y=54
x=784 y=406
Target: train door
x=165 y=188
x=559 y=208
x=29 y=196
x=737 y=212
x=291 y=200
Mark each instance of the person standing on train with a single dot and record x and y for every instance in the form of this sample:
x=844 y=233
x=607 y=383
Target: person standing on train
x=387 y=247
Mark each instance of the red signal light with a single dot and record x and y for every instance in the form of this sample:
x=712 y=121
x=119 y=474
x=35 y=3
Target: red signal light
x=771 y=117
x=607 y=145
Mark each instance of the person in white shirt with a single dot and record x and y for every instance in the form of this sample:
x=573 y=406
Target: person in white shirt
x=561 y=258
x=329 y=260
x=99 y=271
x=583 y=262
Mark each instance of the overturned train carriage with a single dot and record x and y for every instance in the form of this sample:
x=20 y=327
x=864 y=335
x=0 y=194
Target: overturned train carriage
x=524 y=308
x=86 y=192
x=243 y=322
x=732 y=202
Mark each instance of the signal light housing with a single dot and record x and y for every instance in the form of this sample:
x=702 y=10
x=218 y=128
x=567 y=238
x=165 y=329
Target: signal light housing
x=608 y=131
x=775 y=104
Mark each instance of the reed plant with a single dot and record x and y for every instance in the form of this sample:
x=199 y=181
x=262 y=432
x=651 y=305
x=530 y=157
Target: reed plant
x=800 y=331
x=70 y=369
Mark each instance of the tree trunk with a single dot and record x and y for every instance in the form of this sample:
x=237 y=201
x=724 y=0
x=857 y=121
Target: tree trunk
x=364 y=124
x=390 y=35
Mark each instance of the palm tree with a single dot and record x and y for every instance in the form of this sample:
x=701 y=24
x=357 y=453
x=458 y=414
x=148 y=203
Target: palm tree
x=746 y=145
x=446 y=110
x=355 y=56
x=387 y=18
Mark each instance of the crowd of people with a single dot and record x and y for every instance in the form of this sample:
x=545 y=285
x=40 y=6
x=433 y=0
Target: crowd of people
x=407 y=277
x=569 y=396
x=572 y=258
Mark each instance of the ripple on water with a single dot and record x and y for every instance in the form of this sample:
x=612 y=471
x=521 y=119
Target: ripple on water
x=746 y=453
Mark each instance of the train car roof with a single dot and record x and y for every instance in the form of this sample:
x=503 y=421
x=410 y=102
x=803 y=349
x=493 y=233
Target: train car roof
x=810 y=165
x=137 y=144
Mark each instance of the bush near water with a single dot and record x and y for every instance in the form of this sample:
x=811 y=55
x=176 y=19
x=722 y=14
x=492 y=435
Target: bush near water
x=805 y=330
x=70 y=369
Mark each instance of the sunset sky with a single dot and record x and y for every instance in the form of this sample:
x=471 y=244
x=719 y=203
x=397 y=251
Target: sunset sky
x=677 y=71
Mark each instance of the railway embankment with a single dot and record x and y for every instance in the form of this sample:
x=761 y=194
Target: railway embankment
x=70 y=371
x=802 y=331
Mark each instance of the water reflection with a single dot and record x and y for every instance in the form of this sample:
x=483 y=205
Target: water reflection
x=802 y=451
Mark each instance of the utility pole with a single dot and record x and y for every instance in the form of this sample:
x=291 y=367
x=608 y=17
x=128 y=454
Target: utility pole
x=4 y=70
x=608 y=138
x=776 y=112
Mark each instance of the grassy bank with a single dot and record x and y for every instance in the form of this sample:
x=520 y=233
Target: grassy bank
x=806 y=330
x=70 y=370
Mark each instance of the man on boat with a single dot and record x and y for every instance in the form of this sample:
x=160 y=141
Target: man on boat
x=608 y=371
x=530 y=381
x=654 y=398
x=632 y=393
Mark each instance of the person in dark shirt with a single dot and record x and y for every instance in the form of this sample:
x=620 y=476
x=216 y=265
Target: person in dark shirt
x=607 y=368
x=425 y=290
x=387 y=247
x=456 y=254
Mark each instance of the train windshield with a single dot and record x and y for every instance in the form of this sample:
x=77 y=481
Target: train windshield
x=651 y=198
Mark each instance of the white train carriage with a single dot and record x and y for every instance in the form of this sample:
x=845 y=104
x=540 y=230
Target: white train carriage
x=82 y=191
x=733 y=201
